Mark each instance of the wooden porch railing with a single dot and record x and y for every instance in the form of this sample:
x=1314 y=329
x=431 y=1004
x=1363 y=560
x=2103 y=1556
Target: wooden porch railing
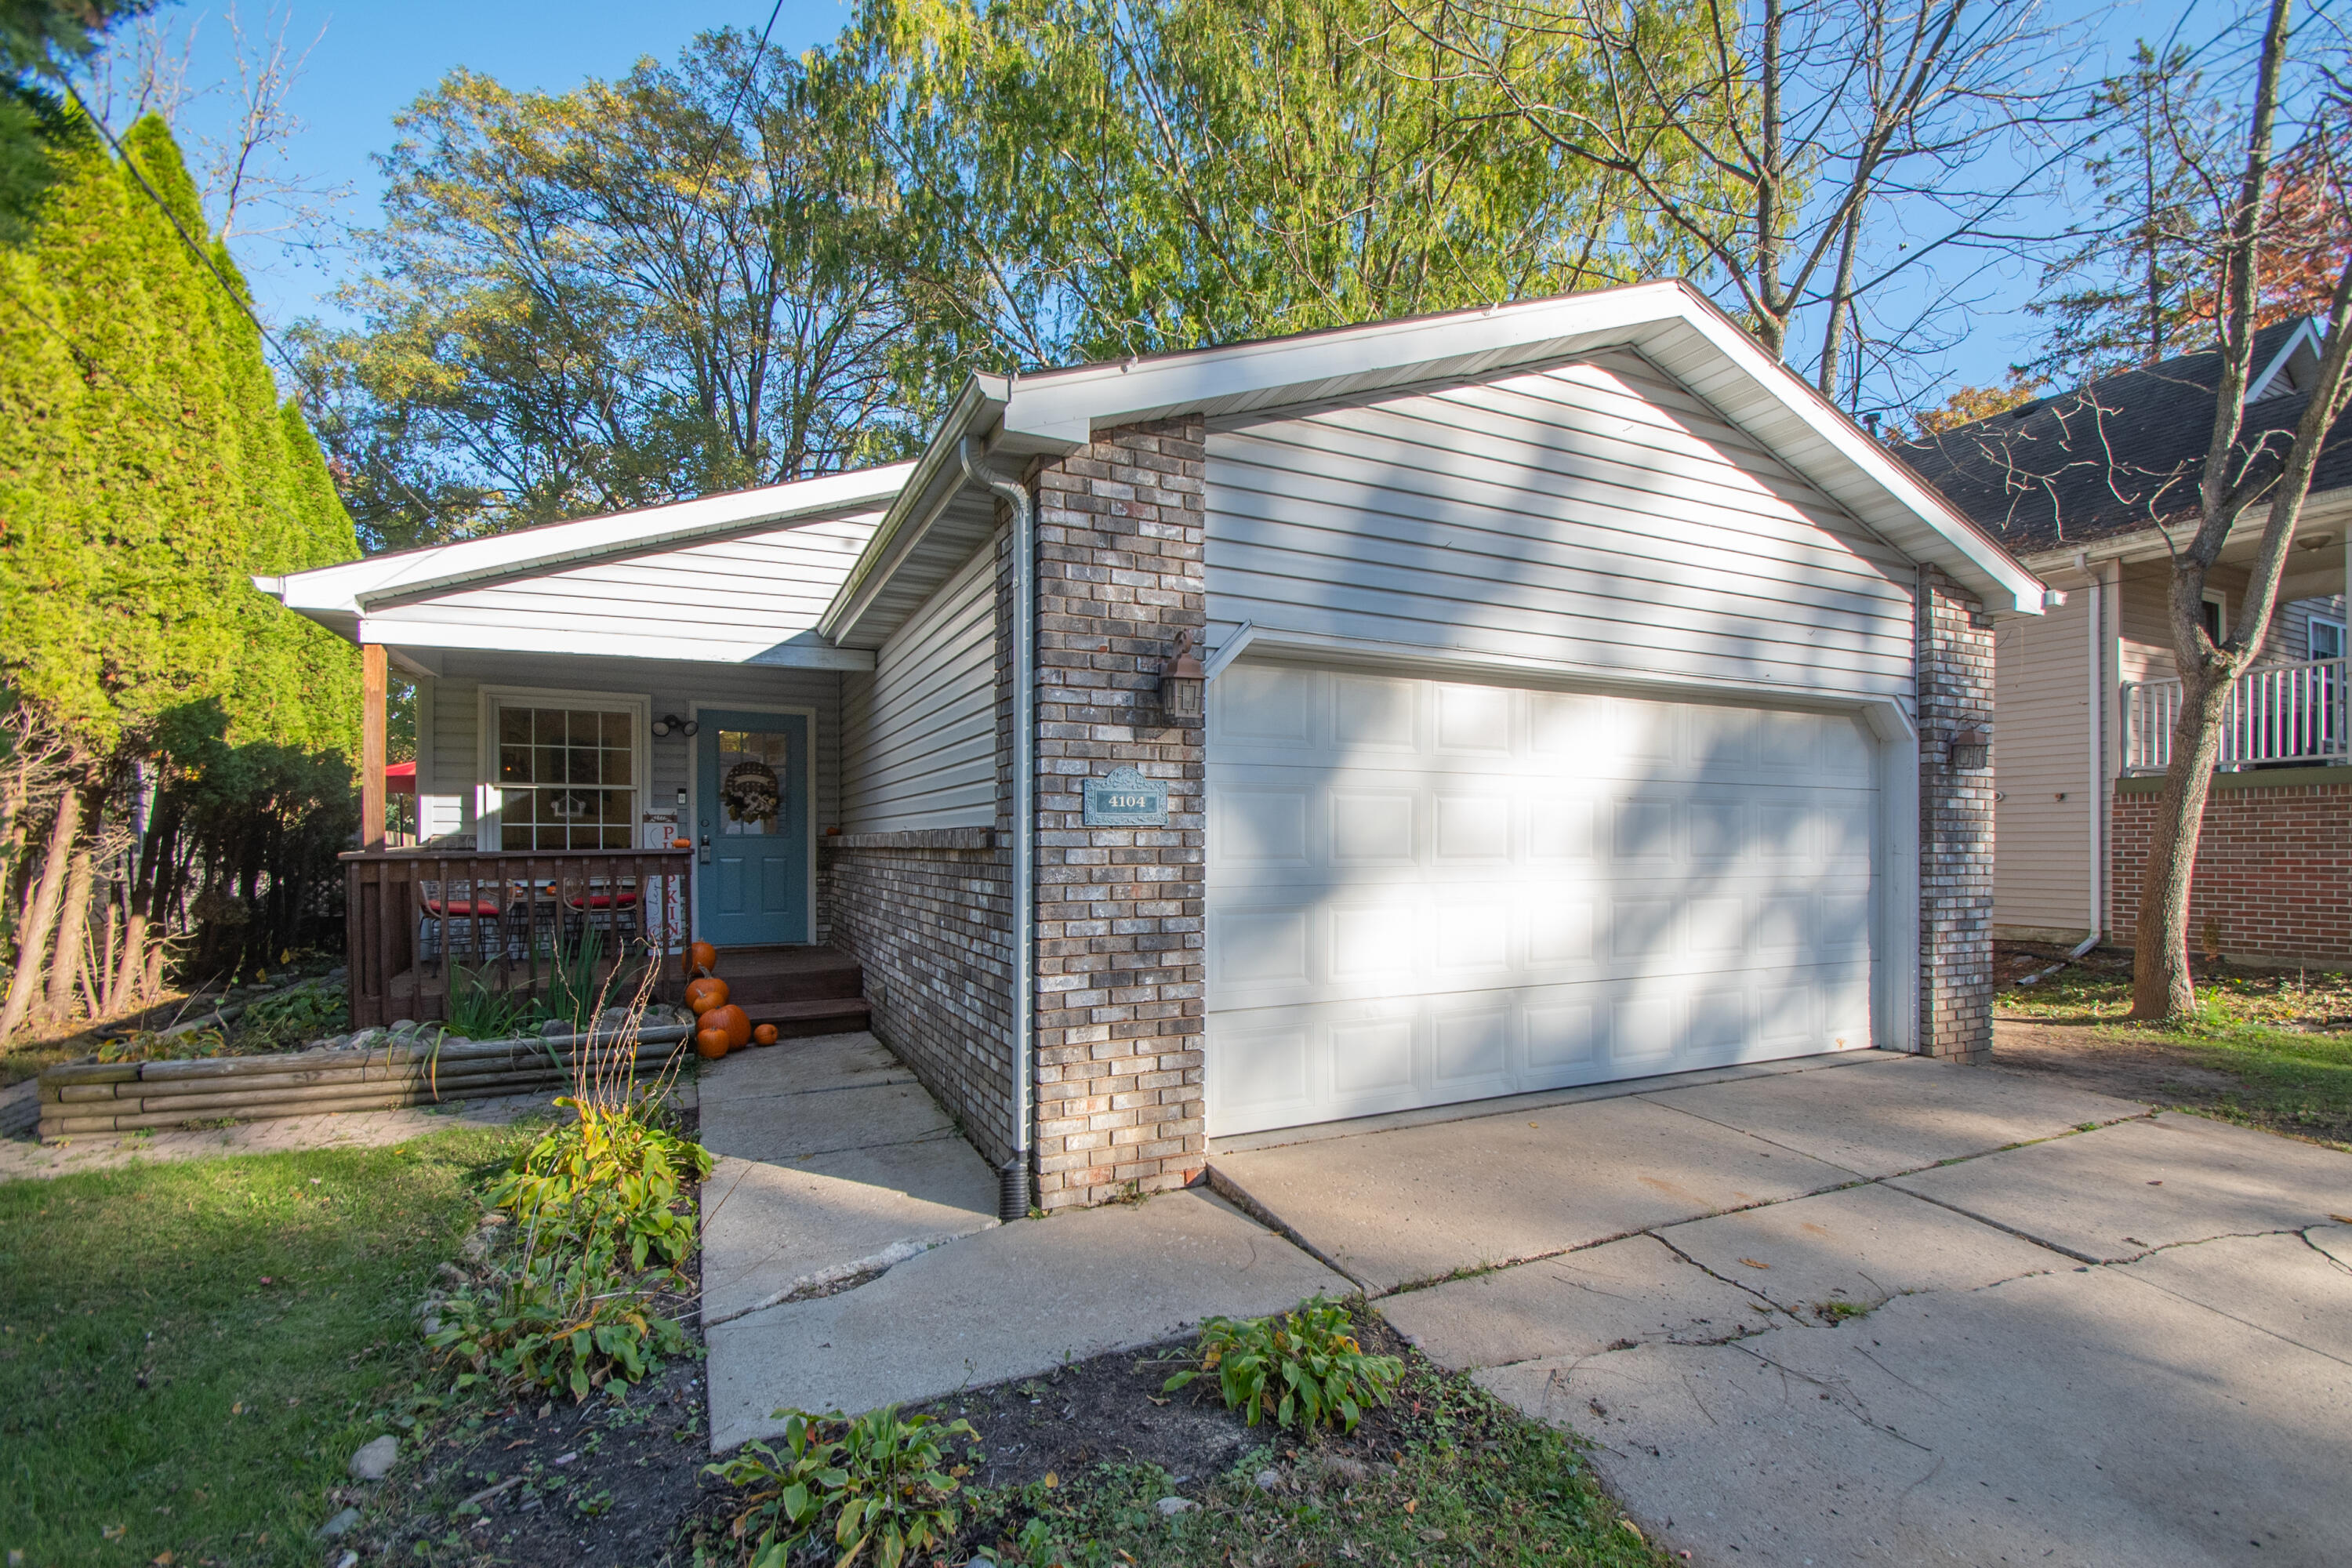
x=418 y=921
x=2278 y=713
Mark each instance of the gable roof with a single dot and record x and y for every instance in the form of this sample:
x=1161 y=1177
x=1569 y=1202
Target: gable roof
x=339 y=596
x=941 y=519
x=938 y=511
x=2122 y=454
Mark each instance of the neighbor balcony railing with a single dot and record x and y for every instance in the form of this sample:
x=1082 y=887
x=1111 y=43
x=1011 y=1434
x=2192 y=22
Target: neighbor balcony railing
x=2279 y=713
x=419 y=922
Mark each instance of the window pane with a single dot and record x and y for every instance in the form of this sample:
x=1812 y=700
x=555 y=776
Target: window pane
x=514 y=764
x=616 y=731
x=514 y=726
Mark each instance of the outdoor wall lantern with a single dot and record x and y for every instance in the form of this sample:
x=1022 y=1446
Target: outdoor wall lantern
x=1182 y=685
x=1970 y=748
x=671 y=724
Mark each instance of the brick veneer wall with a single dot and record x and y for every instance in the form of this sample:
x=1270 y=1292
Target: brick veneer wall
x=1120 y=533
x=929 y=917
x=2273 y=878
x=1956 y=825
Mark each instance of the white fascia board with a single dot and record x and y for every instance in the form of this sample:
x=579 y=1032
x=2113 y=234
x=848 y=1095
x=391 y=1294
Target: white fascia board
x=2306 y=332
x=2324 y=509
x=1058 y=409
x=639 y=533
x=399 y=634
x=349 y=587
x=932 y=481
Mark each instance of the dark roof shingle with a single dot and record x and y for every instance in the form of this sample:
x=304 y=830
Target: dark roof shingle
x=2112 y=457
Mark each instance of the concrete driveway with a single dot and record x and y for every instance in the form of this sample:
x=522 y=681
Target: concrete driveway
x=1877 y=1310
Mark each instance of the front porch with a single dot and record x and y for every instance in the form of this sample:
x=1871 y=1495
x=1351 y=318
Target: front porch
x=2280 y=715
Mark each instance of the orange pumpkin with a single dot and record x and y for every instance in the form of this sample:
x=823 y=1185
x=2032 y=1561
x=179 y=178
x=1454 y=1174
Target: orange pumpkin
x=703 y=995
x=764 y=1034
x=681 y=843
x=701 y=958
x=711 y=1044
x=735 y=1021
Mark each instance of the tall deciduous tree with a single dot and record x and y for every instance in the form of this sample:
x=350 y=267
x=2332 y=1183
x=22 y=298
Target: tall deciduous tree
x=2241 y=225
x=147 y=469
x=1850 y=147
x=1096 y=178
x=686 y=280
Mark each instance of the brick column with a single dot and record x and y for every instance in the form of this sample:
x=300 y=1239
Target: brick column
x=1956 y=824
x=1118 y=989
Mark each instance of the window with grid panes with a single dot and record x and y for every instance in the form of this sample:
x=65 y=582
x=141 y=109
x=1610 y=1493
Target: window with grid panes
x=567 y=778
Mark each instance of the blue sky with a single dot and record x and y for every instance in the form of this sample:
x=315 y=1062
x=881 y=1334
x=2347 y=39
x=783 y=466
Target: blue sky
x=371 y=60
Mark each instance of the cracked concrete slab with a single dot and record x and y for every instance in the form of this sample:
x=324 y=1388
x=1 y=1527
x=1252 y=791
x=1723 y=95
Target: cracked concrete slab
x=768 y=1229
x=2335 y=1240
x=2285 y=1285
x=2074 y=1418
x=2123 y=1191
x=1897 y=1114
x=1420 y=1203
x=806 y=1067
x=1581 y=1303
x=1862 y=1244
x=787 y=1127
x=1007 y=1302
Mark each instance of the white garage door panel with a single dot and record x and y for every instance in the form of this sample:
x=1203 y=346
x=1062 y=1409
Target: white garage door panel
x=1423 y=892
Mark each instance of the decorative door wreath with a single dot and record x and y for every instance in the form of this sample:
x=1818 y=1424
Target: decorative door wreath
x=752 y=791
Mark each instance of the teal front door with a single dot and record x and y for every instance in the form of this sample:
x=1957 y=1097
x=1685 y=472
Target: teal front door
x=752 y=828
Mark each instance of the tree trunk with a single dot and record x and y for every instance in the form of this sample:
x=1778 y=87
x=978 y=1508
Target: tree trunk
x=41 y=913
x=73 y=927
x=2162 y=986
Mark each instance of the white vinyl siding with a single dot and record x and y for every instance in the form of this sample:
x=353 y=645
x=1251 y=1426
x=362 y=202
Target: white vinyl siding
x=731 y=600
x=921 y=752
x=1591 y=517
x=1421 y=892
x=453 y=759
x=2041 y=751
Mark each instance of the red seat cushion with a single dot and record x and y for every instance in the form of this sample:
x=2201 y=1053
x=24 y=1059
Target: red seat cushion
x=463 y=909
x=604 y=901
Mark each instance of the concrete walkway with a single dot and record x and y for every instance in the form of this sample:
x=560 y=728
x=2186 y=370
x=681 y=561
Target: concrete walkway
x=852 y=1258
x=1880 y=1311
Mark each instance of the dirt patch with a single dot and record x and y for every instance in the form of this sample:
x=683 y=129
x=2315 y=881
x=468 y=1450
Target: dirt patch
x=2130 y=1069
x=1110 y=1410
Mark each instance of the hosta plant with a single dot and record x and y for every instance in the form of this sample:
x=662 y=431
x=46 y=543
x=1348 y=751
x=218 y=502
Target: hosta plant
x=880 y=1486
x=607 y=1181
x=1301 y=1368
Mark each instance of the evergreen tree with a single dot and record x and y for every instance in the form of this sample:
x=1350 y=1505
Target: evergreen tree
x=148 y=470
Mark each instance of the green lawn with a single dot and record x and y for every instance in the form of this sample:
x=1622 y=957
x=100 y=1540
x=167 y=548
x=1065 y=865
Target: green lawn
x=2284 y=1037
x=189 y=1353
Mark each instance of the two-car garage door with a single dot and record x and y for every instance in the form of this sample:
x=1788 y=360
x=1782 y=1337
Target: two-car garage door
x=1424 y=891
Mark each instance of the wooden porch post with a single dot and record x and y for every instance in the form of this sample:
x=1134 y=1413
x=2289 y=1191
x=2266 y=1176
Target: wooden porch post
x=372 y=746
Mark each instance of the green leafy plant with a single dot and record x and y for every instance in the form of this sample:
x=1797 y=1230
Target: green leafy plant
x=609 y=1182
x=555 y=1321
x=574 y=994
x=294 y=1017
x=1302 y=1368
x=479 y=1011
x=881 y=1480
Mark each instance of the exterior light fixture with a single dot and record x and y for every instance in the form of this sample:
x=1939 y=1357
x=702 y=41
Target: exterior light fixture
x=1182 y=685
x=671 y=724
x=1968 y=749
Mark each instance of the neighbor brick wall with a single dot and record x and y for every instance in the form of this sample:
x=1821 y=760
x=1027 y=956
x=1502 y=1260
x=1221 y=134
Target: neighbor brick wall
x=1119 y=531
x=930 y=916
x=1956 y=824
x=2273 y=878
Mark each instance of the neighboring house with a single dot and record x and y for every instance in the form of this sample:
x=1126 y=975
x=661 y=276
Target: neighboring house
x=2090 y=488
x=1586 y=698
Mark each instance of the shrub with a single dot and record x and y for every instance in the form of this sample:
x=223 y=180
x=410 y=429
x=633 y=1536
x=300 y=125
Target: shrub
x=881 y=1480
x=294 y=1017
x=554 y=1321
x=479 y=1011
x=607 y=1181
x=1302 y=1368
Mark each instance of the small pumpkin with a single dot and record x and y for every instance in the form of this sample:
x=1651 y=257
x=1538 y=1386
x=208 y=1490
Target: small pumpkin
x=734 y=1020
x=764 y=1034
x=681 y=843
x=711 y=1044
x=703 y=995
x=701 y=959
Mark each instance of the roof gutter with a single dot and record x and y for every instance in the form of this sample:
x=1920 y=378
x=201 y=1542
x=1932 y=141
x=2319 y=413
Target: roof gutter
x=1012 y=1181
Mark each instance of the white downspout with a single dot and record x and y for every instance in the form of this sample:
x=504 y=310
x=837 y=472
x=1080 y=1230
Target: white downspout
x=1012 y=1181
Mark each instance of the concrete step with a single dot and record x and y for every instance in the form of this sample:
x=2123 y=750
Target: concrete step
x=815 y=1016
